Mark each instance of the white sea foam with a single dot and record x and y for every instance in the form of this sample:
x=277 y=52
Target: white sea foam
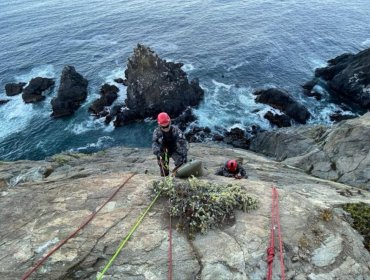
x=188 y=67
x=220 y=85
x=78 y=127
x=109 y=77
x=45 y=71
x=366 y=43
x=16 y=115
x=103 y=141
x=233 y=67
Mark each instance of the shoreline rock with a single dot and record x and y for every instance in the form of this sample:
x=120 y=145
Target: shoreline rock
x=13 y=89
x=347 y=77
x=33 y=92
x=155 y=85
x=71 y=93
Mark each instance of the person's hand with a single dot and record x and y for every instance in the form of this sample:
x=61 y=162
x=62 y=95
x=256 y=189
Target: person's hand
x=238 y=177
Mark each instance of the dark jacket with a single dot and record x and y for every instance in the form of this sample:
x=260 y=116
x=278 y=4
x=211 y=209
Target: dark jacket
x=173 y=140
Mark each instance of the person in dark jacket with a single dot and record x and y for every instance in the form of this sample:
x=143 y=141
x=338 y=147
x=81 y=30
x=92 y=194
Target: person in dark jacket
x=168 y=141
x=232 y=169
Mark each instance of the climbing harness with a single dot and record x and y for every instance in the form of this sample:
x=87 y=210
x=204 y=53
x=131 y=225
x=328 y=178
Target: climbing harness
x=275 y=223
x=60 y=244
x=124 y=241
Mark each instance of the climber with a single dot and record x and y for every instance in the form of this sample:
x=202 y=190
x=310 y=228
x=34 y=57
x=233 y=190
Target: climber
x=232 y=169
x=168 y=141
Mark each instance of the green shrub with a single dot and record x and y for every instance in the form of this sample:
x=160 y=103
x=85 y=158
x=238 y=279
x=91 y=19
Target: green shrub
x=202 y=205
x=360 y=213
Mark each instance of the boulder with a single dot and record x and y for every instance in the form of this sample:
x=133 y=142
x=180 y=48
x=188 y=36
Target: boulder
x=237 y=138
x=348 y=78
x=12 y=89
x=109 y=94
x=278 y=120
x=71 y=93
x=155 y=85
x=119 y=81
x=33 y=92
x=339 y=153
x=280 y=99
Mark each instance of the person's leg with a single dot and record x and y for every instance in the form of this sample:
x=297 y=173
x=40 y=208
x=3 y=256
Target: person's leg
x=178 y=159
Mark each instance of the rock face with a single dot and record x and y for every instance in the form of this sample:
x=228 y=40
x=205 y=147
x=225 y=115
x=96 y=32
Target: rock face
x=71 y=93
x=14 y=88
x=66 y=189
x=109 y=94
x=155 y=85
x=33 y=91
x=340 y=153
x=348 y=77
x=281 y=100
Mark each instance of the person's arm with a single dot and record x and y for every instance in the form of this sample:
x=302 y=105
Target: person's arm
x=242 y=171
x=156 y=146
x=227 y=173
x=181 y=143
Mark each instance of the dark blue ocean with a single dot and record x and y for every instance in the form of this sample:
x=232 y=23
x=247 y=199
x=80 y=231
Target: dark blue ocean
x=233 y=47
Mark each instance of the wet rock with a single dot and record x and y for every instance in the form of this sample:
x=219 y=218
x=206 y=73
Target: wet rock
x=282 y=100
x=337 y=117
x=313 y=93
x=109 y=94
x=12 y=89
x=4 y=101
x=237 y=138
x=33 y=92
x=71 y=93
x=278 y=120
x=185 y=119
x=348 y=79
x=155 y=85
x=119 y=81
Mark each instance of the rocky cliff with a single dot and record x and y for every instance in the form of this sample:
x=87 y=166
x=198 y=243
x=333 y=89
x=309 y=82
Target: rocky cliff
x=340 y=153
x=42 y=202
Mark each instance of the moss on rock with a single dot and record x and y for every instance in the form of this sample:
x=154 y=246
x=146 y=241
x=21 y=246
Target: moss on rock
x=360 y=213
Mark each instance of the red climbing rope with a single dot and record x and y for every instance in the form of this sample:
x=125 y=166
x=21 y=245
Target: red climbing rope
x=61 y=243
x=275 y=222
x=169 y=277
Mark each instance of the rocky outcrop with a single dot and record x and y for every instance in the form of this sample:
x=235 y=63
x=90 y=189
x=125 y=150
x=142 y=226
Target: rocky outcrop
x=278 y=120
x=33 y=92
x=12 y=89
x=109 y=94
x=339 y=153
x=348 y=78
x=4 y=101
x=318 y=240
x=155 y=85
x=71 y=93
x=282 y=101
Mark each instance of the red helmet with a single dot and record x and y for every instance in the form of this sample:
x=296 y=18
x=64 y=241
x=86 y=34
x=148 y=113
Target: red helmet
x=163 y=119
x=232 y=165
